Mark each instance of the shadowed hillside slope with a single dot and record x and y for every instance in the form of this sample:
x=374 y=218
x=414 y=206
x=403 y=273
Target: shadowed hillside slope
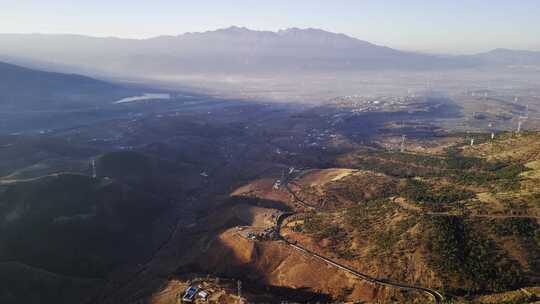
x=26 y=89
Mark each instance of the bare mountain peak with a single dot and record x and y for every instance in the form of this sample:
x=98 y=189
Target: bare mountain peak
x=234 y=28
x=310 y=31
x=290 y=37
x=294 y=32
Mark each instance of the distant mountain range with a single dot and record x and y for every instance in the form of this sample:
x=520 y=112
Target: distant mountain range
x=506 y=57
x=23 y=88
x=234 y=50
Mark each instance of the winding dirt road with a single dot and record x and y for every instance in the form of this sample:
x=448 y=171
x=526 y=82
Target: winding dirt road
x=434 y=294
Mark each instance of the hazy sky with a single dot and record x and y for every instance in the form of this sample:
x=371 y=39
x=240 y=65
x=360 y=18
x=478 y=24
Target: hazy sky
x=455 y=26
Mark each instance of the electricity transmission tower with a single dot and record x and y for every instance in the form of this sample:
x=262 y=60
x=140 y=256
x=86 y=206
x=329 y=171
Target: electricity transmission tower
x=239 y=287
x=93 y=165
